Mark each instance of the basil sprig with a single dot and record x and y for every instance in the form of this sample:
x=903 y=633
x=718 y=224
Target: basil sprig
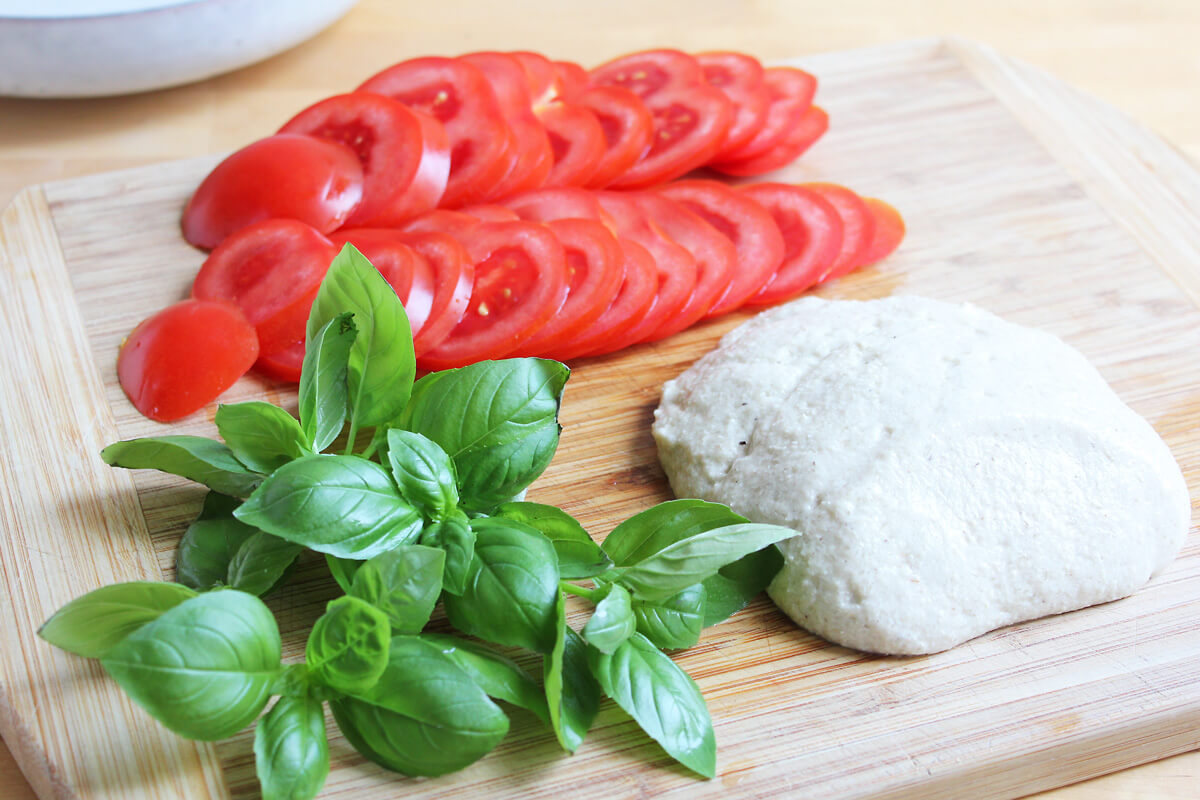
x=421 y=514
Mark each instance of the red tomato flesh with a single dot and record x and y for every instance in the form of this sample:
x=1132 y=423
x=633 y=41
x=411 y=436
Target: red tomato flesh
x=291 y=176
x=858 y=227
x=887 y=233
x=812 y=126
x=182 y=358
x=791 y=92
x=490 y=212
x=812 y=234
x=577 y=141
x=571 y=79
x=628 y=129
x=740 y=77
x=453 y=277
x=649 y=72
x=405 y=270
x=541 y=76
x=690 y=123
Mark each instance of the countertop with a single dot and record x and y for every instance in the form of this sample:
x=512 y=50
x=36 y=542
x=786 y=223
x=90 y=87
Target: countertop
x=1139 y=56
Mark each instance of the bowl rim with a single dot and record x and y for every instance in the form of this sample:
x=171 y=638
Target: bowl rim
x=158 y=7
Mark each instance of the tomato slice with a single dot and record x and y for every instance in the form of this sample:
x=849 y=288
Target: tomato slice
x=490 y=212
x=405 y=270
x=405 y=155
x=616 y=328
x=287 y=175
x=858 y=227
x=577 y=141
x=791 y=92
x=563 y=202
x=453 y=277
x=182 y=358
x=453 y=223
x=812 y=126
x=541 y=76
x=690 y=123
x=595 y=269
x=740 y=77
x=520 y=283
x=628 y=129
x=648 y=72
x=572 y=79
x=812 y=237
x=459 y=96
x=755 y=236
x=271 y=271
x=887 y=233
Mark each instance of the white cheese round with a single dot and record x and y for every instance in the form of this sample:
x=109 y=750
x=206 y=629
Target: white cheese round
x=950 y=472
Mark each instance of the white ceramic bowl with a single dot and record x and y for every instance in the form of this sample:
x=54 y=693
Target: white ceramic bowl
x=86 y=48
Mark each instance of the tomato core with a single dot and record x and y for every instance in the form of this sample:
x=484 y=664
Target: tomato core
x=502 y=281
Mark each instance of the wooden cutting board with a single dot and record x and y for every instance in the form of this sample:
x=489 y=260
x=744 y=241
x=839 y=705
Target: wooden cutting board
x=1022 y=196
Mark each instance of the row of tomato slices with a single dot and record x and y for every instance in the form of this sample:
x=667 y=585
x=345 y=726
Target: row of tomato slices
x=448 y=132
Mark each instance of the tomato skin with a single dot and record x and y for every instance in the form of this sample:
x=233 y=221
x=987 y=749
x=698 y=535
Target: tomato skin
x=181 y=359
x=649 y=72
x=887 y=233
x=453 y=223
x=627 y=126
x=812 y=126
x=490 y=212
x=562 y=202
x=791 y=91
x=812 y=233
x=576 y=140
x=405 y=155
x=690 y=123
x=740 y=77
x=571 y=78
x=858 y=227
x=287 y=175
x=541 y=76
x=453 y=278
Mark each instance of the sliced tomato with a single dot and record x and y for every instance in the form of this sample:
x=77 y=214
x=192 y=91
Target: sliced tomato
x=405 y=270
x=564 y=202
x=491 y=212
x=649 y=72
x=541 y=76
x=182 y=358
x=284 y=365
x=755 y=236
x=740 y=77
x=812 y=126
x=628 y=129
x=452 y=223
x=520 y=283
x=271 y=271
x=577 y=140
x=287 y=176
x=595 y=269
x=572 y=79
x=887 y=233
x=690 y=123
x=453 y=277
x=458 y=95
x=791 y=92
x=812 y=237
x=858 y=227
x=616 y=328
x=405 y=154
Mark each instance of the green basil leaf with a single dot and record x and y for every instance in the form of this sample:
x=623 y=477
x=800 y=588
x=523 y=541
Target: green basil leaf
x=498 y=421
x=572 y=694
x=423 y=471
x=660 y=696
x=348 y=647
x=204 y=668
x=323 y=393
x=261 y=563
x=193 y=457
x=294 y=680
x=291 y=753
x=342 y=570
x=342 y=505
x=425 y=716
x=381 y=366
x=674 y=623
x=511 y=587
x=578 y=555
x=736 y=584
x=262 y=436
x=644 y=534
x=498 y=676
x=612 y=622
x=455 y=538
x=92 y=625
x=210 y=542
x=403 y=583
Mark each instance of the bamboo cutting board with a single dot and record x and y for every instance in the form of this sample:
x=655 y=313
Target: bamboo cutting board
x=1021 y=195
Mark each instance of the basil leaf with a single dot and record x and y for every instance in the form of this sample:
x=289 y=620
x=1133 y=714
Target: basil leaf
x=193 y=457
x=455 y=538
x=423 y=472
x=204 y=668
x=511 y=587
x=342 y=505
x=323 y=393
x=381 y=365
x=578 y=555
x=731 y=589
x=644 y=534
x=425 y=716
x=261 y=563
x=498 y=421
x=674 y=623
x=294 y=681
x=612 y=622
x=696 y=558
x=348 y=647
x=660 y=696
x=403 y=583
x=342 y=570
x=93 y=624
x=498 y=676
x=291 y=752
x=572 y=694
x=210 y=542
x=262 y=436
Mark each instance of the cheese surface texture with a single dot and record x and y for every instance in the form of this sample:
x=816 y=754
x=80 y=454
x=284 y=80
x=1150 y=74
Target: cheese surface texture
x=951 y=472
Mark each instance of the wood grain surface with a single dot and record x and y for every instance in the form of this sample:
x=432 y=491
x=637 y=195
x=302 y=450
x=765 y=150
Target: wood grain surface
x=1022 y=196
